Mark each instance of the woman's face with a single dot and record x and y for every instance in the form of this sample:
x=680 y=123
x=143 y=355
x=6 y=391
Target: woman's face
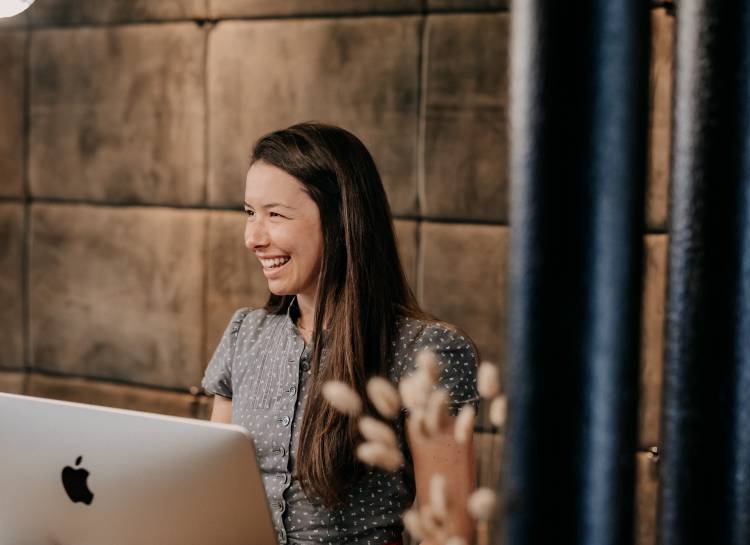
x=283 y=229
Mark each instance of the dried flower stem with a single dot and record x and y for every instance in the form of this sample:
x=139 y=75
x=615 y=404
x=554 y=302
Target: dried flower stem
x=483 y=532
x=481 y=506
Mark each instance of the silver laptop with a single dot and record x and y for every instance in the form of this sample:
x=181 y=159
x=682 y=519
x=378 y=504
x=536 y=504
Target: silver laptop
x=76 y=474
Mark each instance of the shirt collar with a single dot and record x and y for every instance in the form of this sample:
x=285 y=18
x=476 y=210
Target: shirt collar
x=291 y=322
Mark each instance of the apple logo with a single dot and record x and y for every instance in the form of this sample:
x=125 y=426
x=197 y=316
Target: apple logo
x=74 y=481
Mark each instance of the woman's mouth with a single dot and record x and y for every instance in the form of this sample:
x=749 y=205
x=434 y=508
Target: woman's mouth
x=274 y=264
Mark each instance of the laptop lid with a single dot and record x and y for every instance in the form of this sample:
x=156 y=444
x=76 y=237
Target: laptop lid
x=77 y=474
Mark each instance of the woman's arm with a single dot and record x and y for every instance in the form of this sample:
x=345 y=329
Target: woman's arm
x=222 y=410
x=441 y=454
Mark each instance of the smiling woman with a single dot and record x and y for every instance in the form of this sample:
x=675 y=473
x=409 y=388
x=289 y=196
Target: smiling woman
x=283 y=229
x=339 y=310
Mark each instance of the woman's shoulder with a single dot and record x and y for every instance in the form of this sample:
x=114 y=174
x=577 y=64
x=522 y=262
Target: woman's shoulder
x=418 y=333
x=454 y=351
x=251 y=318
x=452 y=347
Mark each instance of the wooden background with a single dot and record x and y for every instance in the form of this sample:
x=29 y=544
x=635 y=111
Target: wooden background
x=126 y=126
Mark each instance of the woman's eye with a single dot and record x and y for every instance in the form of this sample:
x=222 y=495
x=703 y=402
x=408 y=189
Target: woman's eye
x=249 y=212
x=276 y=214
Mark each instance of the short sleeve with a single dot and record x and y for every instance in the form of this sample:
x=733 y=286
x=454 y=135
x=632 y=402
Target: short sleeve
x=218 y=376
x=457 y=361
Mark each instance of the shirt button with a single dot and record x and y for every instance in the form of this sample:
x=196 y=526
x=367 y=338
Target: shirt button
x=281 y=536
x=279 y=505
x=305 y=366
x=292 y=390
x=283 y=477
x=284 y=420
x=279 y=450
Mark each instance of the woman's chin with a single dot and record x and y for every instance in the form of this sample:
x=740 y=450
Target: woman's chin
x=277 y=289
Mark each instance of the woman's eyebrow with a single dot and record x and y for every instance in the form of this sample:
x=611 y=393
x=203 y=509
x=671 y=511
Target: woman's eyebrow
x=271 y=205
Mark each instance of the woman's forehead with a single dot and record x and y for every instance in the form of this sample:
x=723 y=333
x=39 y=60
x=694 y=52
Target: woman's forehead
x=264 y=182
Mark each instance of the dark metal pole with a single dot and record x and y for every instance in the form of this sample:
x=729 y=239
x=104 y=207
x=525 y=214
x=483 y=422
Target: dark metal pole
x=705 y=462
x=579 y=77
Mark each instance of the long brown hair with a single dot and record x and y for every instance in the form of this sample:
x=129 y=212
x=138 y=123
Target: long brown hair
x=361 y=292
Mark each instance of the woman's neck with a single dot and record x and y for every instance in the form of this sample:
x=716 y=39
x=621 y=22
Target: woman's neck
x=306 y=306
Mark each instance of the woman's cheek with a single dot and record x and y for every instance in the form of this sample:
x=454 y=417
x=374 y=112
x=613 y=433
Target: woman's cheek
x=279 y=236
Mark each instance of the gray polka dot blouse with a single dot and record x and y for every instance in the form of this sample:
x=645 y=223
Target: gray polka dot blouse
x=262 y=364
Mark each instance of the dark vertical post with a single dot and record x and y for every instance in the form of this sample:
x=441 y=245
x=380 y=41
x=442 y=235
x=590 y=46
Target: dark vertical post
x=579 y=77
x=705 y=462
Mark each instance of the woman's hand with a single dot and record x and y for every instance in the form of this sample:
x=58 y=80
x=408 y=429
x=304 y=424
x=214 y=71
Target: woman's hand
x=441 y=454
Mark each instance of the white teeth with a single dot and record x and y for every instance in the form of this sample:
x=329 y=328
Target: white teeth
x=271 y=263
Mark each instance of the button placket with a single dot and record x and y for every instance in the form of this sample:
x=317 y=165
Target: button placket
x=285 y=420
x=299 y=355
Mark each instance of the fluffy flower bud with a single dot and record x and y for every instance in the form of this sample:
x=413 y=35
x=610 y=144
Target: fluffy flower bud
x=427 y=363
x=432 y=525
x=377 y=431
x=498 y=411
x=439 y=498
x=384 y=396
x=380 y=455
x=343 y=398
x=415 y=390
x=488 y=380
x=436 y=413
x=413 y=524
x=481 y=503
x=464 y=426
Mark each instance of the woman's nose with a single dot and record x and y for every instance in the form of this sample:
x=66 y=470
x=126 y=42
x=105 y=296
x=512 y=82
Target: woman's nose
x=256 y=235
